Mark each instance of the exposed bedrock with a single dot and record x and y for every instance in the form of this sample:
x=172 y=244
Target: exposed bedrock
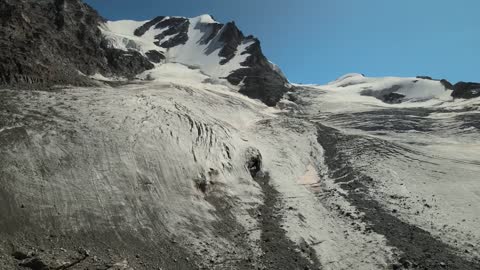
x=155 y=56
x=231 y=37
x=387 y=95
x=259 y=77
x=55 y=42
x=176 y=27
x=466 y=90
x=144 y=28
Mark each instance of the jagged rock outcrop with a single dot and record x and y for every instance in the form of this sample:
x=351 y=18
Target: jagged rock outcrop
x=448 y=85
x=231 y=37
x=177 y=27
x=155 y=56
x=55 y=42
x=466 y=90
x=144 y=28
x=259 y=77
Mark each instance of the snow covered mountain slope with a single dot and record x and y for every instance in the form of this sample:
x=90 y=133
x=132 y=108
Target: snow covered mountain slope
x=220 y=51
x=364 y=93
x=390 y=89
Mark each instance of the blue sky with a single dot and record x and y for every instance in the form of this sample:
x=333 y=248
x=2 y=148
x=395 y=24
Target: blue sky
x=316 y=41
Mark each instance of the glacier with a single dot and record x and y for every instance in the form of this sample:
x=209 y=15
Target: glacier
x=181 y=167
x=155 y=162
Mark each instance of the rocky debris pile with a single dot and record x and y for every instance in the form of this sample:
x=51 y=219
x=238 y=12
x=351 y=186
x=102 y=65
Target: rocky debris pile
x=41 y=260
x=63 y=259
x=56 y=42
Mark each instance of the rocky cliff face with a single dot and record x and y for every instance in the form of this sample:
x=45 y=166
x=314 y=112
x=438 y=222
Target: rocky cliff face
x=54 y=42
x=260 y=78
x=466 y=90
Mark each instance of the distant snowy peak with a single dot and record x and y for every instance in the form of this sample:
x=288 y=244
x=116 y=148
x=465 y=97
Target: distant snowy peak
x=201 y=42
x=220 y=51
x=391 y=89
x=346 y=77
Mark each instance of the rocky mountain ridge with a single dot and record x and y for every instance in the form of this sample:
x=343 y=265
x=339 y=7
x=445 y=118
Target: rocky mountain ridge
x=59 y=42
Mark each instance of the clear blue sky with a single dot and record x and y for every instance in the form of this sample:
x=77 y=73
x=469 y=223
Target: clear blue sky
x=315 y=41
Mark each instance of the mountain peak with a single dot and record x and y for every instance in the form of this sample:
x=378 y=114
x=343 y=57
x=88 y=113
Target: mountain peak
x=220 y=51
x=204 y=19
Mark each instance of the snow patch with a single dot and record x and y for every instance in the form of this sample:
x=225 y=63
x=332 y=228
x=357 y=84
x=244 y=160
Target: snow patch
x=205 y=19
x=120 y=35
